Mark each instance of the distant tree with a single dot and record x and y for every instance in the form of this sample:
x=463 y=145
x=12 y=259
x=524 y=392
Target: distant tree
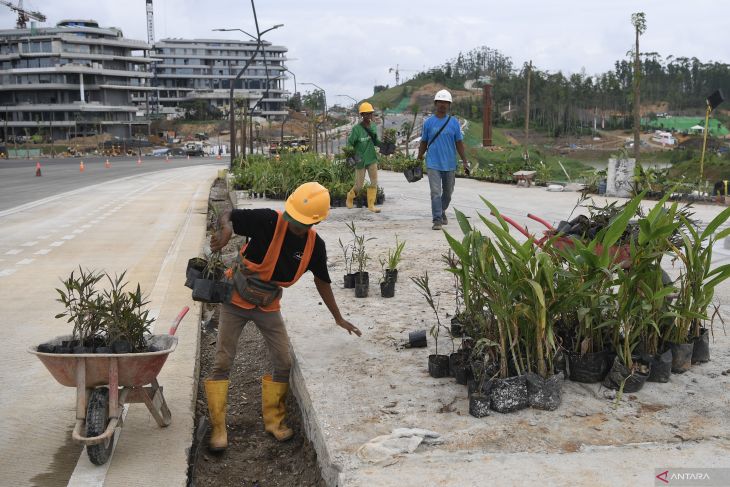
x=313 y=100
x=379 y=88
x=414 y=108
x=295 y=102
x=200 y=110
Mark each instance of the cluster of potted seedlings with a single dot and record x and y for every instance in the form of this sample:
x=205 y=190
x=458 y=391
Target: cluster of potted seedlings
x=207 y=277
x=593 y=305
x=265 y=177
x=109 y=320
x=354 y=253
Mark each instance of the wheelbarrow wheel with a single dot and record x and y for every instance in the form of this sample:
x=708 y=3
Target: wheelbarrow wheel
x=97 y=417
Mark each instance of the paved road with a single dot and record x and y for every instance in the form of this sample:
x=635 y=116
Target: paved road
x=18 y=184
x=147 y=220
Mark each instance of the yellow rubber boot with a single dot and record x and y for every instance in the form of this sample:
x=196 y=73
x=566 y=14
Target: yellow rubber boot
x=372 y=195
x=216 y=392
x=350 y=198
x=274 y=409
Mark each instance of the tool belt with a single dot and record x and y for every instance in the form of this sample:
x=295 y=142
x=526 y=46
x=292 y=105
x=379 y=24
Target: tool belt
x=253 y=290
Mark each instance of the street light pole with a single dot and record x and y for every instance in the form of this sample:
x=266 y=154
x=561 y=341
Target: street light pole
x=351 y=98
x=295 y=79
x=324 y=94
x=232 y=111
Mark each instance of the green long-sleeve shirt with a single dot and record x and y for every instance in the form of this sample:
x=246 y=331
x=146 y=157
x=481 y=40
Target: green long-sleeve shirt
x=363 y=145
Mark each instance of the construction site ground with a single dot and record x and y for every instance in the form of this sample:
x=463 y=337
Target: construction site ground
x=253 y=457
x=353 y=390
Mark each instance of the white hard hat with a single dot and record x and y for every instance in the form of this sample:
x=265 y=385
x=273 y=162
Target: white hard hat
x=443 y=95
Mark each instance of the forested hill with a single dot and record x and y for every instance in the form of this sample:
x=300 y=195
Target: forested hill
x=560 y=102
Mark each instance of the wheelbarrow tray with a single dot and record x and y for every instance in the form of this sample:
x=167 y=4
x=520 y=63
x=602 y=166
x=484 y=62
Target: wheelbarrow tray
x=134 y=369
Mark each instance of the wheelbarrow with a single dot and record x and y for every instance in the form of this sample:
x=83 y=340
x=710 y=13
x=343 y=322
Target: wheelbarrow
x=105 y=382
x=621 y=254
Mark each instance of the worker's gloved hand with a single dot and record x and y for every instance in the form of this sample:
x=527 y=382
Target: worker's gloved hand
x=343 y=323
x=219 y=239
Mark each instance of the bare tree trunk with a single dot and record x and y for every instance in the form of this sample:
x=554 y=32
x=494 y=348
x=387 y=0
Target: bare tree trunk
x=527 y=105
x=243 y=132
x=637 y=104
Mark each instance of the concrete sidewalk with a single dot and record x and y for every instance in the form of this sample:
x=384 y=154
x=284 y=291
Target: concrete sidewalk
x=353 y=390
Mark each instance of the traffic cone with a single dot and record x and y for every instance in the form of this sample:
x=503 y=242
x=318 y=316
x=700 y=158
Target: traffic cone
x=37 y=169
x=219 y=157
x=188 y=157
x=139 y=161
x=107 y=164
x=167 y=158
x=81 y=166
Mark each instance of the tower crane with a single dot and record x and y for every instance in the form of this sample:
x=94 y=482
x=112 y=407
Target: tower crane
x=397 y=72
x=23 y=15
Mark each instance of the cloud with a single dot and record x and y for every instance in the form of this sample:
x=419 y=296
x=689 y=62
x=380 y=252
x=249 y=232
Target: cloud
x=348 y=47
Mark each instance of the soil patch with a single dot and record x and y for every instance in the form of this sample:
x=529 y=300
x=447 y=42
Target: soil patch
x=253 y=458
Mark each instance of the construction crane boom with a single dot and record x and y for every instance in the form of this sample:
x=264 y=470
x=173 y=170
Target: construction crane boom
x=397 y=72
x=23 y=15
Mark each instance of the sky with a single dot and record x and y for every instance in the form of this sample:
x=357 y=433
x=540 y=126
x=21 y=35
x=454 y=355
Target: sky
x=348 y=47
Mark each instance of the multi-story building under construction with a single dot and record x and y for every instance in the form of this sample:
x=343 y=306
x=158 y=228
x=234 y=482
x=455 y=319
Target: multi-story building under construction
x=188 y=70
x=72 y=79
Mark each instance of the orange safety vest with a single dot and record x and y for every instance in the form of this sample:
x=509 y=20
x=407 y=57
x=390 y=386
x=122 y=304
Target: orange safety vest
x=266 y=268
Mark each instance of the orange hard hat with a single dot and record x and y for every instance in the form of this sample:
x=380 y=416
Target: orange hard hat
x=309 y=203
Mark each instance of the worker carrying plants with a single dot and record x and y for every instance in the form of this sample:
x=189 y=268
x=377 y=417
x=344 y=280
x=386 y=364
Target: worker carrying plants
x=282 y=247
x=441 y=139
x=363 y=139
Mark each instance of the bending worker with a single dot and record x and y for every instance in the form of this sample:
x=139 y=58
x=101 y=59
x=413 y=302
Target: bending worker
x=363 y=139
x=282 y=247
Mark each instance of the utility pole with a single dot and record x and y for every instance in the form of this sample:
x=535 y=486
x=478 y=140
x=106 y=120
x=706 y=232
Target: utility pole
x=527 y=105
x=639 y=22
x=243 y=129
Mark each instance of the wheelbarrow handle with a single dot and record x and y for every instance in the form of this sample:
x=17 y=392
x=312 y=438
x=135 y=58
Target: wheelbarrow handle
x=177 y=321
x=517 y=226
x=540 y=220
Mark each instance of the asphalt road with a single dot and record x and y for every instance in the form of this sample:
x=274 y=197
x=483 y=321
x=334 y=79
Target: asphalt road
x=19 y=185
x=147 y=220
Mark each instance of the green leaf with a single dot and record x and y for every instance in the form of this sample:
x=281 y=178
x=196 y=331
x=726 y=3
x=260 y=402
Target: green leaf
x=463 y=221
x=617 y=227
x=715 y=223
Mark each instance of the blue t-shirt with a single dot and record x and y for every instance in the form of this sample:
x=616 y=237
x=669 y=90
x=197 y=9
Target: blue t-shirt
x=441 y=154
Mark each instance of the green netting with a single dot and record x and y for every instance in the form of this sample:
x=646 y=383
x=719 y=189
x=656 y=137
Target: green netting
x=400 y=107
x=684 y=124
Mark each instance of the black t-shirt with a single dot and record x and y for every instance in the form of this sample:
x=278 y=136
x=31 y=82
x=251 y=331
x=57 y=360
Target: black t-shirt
x=259 y=225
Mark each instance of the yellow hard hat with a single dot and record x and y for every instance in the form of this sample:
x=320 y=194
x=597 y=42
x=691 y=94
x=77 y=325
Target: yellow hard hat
x=366 y=107
x=309 y=203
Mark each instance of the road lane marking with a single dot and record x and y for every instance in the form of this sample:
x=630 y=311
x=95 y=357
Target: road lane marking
x=92 y=188
x=7 y=272
x=13 y=251
x=88 y=225
x=68 y=237
x=78 y=230
x=43 y=252
x=86 y=474
x=25 y=261
x=57 y=243
x=29 y=244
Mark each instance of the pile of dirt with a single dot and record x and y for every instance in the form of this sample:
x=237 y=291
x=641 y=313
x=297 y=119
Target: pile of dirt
x=253 y=458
